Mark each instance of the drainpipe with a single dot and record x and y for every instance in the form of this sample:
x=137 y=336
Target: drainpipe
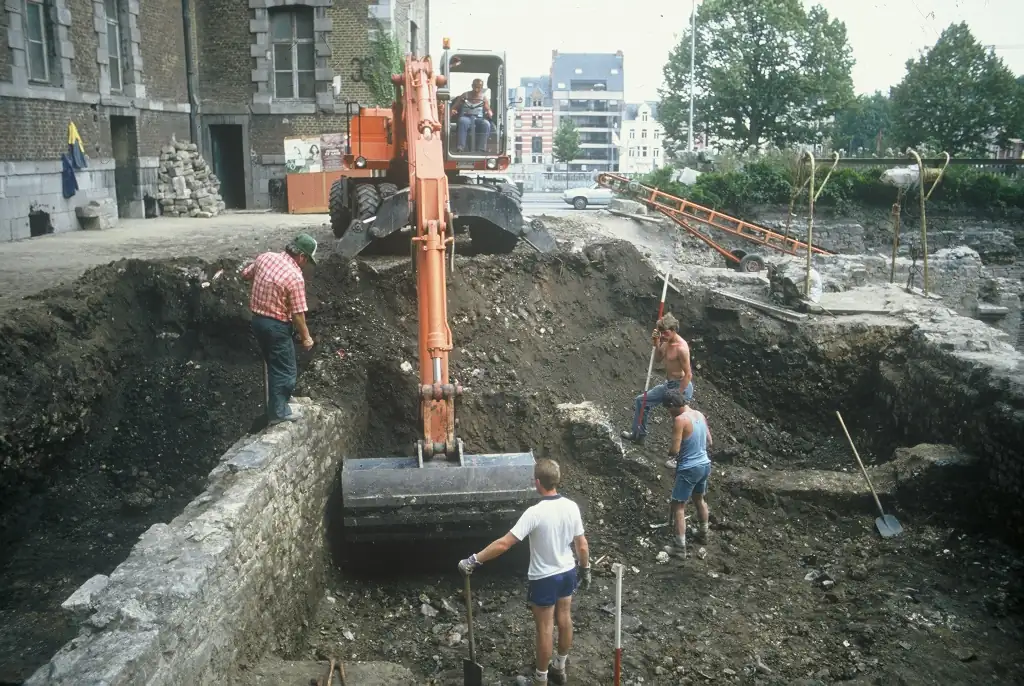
x=426 y=20
x=190 y=73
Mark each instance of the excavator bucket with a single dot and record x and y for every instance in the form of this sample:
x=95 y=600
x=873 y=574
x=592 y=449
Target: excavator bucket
x=407 y=498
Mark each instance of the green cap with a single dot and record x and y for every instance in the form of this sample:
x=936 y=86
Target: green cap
x=306 y=244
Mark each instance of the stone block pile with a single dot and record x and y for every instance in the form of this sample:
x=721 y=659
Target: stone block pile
x=187 y=186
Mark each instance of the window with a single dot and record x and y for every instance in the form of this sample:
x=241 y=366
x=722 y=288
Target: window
x=537 y=145
x=615 y=71
x=643 y=117
x=656 y=151
x=114 y=52
x=519 y=121
x=631 y=152
x=577 y=70
x=632 y=133
x=37 y=43
x=657 y=134
x=643 y=133
x=538 y=159
x=537 y=121
x=561 y=85
x=643 y=151
x=537 y=102
x=291 y=33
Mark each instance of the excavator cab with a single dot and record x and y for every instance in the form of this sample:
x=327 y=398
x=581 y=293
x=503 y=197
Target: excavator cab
x=475 y=136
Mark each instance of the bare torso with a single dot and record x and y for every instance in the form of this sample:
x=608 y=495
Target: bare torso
x=675 y=355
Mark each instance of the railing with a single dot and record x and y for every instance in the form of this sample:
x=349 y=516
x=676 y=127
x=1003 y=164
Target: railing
x=1001 y=167
x=556 y=182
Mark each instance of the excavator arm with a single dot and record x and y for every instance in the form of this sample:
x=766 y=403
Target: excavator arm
x=442 y=491
x=430 y=206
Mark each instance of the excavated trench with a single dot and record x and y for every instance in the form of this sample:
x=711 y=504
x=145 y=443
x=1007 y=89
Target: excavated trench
x=121 y=395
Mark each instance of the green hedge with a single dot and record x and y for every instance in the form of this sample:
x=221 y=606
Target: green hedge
x=770 y=183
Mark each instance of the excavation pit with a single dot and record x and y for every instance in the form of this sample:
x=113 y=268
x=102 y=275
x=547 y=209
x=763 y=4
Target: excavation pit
x=250 y=574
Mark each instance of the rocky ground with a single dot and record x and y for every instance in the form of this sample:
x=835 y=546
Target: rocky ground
x=155 y=376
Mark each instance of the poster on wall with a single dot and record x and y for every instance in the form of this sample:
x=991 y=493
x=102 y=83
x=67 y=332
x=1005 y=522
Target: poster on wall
x=302 y=155
x=332 y=151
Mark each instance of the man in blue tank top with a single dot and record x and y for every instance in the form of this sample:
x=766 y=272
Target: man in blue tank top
x=691 y=439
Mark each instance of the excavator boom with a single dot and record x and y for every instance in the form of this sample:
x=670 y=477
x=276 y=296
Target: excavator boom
x=441 y=491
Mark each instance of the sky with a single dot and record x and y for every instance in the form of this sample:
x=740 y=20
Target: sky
x=884 y=34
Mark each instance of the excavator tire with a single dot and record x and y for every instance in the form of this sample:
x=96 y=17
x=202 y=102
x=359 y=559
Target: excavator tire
x=341 y=216
x=489 y=240
x=367 y=200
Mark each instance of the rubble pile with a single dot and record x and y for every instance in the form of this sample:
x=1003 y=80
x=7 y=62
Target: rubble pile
x=187 y=186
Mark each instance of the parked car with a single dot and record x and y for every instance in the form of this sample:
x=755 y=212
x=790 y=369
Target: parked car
x=581 y=197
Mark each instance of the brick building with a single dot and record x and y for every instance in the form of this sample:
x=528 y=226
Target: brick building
x=124 y=72
x=533 y=123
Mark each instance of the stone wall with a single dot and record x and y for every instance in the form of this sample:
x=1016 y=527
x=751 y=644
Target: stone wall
x=29 y=187
x=235 y=575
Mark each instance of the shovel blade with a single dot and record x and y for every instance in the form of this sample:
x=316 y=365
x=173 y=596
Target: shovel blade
x=888 y=526
x=472 y=673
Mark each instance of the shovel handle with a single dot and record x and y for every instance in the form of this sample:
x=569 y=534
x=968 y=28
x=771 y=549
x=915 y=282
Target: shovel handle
x=469 y=621
x=862 y=470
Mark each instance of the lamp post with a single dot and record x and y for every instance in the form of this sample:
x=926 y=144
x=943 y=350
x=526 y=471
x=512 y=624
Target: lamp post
x=693 y=47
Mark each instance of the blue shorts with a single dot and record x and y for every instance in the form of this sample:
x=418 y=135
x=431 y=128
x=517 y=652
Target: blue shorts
x=545 y=592
x=691 y=480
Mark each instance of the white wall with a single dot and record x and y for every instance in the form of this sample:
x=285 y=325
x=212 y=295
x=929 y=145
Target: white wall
x=641 y=143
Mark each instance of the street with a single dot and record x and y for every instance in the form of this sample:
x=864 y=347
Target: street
x=550 y=204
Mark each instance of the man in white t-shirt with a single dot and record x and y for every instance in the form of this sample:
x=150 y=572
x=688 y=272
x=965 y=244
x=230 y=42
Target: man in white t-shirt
x=552 y=525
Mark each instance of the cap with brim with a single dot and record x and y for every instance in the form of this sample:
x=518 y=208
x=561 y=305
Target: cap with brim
x=306 y=244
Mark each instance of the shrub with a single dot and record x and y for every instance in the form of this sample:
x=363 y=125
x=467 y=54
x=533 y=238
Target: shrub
x=770 y=179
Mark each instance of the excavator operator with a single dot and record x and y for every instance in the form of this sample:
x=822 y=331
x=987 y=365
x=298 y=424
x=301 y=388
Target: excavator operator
x=473 y=110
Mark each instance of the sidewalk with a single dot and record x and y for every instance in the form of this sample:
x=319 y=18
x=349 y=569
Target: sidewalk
x=34 y=264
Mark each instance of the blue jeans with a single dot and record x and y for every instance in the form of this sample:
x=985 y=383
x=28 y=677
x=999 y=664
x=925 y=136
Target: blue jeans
x=275 y=340
x=654 y=397
x=482 y=128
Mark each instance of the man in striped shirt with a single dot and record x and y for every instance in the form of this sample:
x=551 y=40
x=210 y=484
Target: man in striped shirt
x=278 y=305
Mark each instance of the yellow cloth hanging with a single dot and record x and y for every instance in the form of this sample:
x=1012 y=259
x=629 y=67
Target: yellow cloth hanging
x=73 y=136
x=76 y=148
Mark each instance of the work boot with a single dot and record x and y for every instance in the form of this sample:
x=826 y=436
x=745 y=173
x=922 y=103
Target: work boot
x=293 y=417
x=632 y=437
x=556 y=675
x=702 y=533
x=527 y=681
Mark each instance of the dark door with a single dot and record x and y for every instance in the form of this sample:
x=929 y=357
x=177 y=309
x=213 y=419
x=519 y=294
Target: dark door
x=229 y=163
x=125 y=142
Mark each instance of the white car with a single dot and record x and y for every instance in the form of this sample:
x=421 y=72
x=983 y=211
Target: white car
x=581 y=197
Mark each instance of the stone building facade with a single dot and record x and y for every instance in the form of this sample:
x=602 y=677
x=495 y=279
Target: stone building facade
x=121 y=71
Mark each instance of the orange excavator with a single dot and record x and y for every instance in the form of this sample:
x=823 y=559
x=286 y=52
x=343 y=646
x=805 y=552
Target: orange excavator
x=442 y=491
x=372 y=214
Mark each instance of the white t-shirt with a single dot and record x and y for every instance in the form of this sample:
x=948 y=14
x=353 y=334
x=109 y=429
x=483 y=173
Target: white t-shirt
x=551 y=525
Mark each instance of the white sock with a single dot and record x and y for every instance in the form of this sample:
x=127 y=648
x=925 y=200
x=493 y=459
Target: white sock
x=681 y=540
x=539 y=675
x=560 y=661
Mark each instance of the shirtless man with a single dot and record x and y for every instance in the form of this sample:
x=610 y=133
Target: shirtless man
x=672 y=350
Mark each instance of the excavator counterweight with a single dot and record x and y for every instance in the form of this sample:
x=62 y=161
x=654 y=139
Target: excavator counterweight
x=441 y=490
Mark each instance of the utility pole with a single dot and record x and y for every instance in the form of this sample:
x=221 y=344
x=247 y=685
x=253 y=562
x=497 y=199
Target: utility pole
x=693 y=47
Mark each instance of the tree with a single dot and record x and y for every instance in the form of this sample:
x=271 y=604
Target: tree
x=566 y=144
x=866 y=120
x=766 y=71
x=958 y=96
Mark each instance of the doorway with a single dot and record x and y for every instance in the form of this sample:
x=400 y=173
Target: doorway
x=229 y=163
x=125 y=142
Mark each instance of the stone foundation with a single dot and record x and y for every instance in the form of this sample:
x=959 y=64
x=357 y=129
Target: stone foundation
x=235 y=575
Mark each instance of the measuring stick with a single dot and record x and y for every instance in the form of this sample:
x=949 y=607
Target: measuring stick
x=654 y=349
x=618 y=568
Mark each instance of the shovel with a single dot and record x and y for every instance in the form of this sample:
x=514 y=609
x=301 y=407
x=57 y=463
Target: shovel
x=472 y=672
x=887 y=525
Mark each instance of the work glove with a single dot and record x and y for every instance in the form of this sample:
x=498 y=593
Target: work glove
x=584 y=577
x=468 y=565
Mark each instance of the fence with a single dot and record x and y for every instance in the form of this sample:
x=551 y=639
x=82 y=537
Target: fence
x=556 y=182
x=1001 y=167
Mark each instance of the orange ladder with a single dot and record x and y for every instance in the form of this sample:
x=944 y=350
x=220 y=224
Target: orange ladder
x=683 y=212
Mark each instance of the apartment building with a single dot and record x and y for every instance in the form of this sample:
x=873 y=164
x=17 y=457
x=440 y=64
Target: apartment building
x=532 y=121
x=236 y=77
x=588 y=89
x=641 y=139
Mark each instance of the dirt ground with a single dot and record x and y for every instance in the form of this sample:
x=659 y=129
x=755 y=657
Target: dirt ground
x=152 y=384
